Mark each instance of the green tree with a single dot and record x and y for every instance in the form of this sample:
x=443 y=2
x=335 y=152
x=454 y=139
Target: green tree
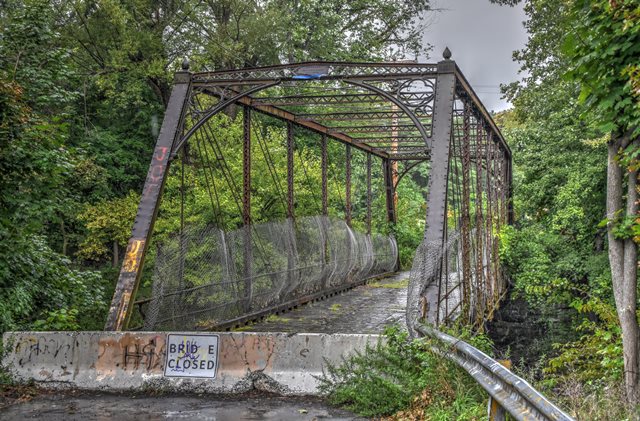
x=604 y=51
x=38 y=287
x=595 y=46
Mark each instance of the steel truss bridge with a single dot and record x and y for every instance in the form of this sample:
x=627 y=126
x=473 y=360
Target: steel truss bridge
x=397 y=116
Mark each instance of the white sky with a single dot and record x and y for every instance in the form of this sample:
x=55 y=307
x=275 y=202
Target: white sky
x=481 y=37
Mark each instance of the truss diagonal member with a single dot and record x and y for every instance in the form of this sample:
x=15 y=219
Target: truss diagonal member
x=220 y=106
x=129 y=278
x=395 y=101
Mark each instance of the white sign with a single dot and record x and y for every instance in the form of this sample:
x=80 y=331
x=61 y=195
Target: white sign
x=192 y=356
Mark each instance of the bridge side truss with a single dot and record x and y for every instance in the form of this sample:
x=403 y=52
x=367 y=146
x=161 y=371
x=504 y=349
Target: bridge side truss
x=393 y=112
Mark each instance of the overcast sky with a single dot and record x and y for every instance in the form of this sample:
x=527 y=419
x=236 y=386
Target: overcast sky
x=482 y=37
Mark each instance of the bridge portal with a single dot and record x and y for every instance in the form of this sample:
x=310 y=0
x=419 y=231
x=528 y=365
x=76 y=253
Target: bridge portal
x=365 y=126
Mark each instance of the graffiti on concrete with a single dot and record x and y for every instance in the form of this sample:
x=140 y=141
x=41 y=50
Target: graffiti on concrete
x=33 y=349
x=131 y=352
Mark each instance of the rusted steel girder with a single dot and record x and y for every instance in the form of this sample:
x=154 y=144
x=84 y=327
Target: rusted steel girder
x=351 y=116
x=440 y=145
x=129 y=279
x=355 y=98
x=332 y=71
x=246 y=167
x=369 y=197
x=347 y=185
x=323 y=165
x=290 y=146
x=387 y=172
x=467 y=277
x=246 y=209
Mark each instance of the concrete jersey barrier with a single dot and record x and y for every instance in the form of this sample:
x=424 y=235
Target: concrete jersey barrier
x=231 y=362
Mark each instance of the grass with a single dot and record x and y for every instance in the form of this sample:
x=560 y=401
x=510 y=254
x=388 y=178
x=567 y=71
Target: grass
x=335 y=308
x=403 y=283
x=603 y=400
x=277 y=319
x=245 y=328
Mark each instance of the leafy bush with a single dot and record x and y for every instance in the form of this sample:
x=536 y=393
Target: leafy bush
x=398 y=374
x=40 y=290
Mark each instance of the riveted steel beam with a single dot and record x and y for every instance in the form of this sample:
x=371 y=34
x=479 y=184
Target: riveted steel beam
x=323 y=164
x=129 y=279
x=440 y=145
x=246 y=210
x=387 y=172
x=347 y=185
x=369 y=196
x=290 y=193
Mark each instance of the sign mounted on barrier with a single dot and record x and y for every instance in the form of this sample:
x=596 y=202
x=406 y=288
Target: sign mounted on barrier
x=192 y=356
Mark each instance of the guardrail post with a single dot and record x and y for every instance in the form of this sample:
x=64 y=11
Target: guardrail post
x=496 y=412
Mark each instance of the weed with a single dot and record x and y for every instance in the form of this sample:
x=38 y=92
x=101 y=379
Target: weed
x=403 y=377
x=277 y=319
x=403 y=283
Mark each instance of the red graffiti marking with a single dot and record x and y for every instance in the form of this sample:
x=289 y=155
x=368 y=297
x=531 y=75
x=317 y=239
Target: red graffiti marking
x=160 y=153
x=156 y=172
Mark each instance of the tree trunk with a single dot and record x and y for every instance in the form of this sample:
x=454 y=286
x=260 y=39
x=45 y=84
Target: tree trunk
x=623 y=258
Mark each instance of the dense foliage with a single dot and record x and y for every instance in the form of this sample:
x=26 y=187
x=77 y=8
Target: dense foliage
x=577 y=100
x=407 y=379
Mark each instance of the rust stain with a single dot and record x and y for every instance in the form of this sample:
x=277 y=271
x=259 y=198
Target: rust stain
x=130 y=353
x=133 y=256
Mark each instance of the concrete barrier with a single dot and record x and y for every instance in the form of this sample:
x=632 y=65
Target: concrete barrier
x=230 y=362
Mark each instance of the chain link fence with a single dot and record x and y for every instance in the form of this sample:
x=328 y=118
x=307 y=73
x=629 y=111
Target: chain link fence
x=205 y=276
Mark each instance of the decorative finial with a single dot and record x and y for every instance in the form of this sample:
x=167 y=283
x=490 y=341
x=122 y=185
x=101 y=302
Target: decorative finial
x=185 y=64
x=446 y=53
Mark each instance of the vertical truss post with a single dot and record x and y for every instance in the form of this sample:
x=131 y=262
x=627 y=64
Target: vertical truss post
x=394 y=150
x=496 y=210
x=466 y=214
x=488 y=155
x=183 y=239
x=129 y=279
x=290 y=211
x=369 y=194
x=324 y=164
x=509 y=180
x=325 y=205
x=504 y=174
x=347 y=186
x=483 y=287
x=292 y=252
x=246 y=208
x=246 y=167
x=436 y=218
x=387 y=172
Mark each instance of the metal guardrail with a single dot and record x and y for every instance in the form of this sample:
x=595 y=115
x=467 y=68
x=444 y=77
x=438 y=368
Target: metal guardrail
x=511 y=392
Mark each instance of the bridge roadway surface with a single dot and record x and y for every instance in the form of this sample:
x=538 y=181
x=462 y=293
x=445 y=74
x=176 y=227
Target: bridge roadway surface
x=364 y=309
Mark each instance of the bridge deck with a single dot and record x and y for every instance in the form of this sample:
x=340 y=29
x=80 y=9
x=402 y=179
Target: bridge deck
x=364 y=309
